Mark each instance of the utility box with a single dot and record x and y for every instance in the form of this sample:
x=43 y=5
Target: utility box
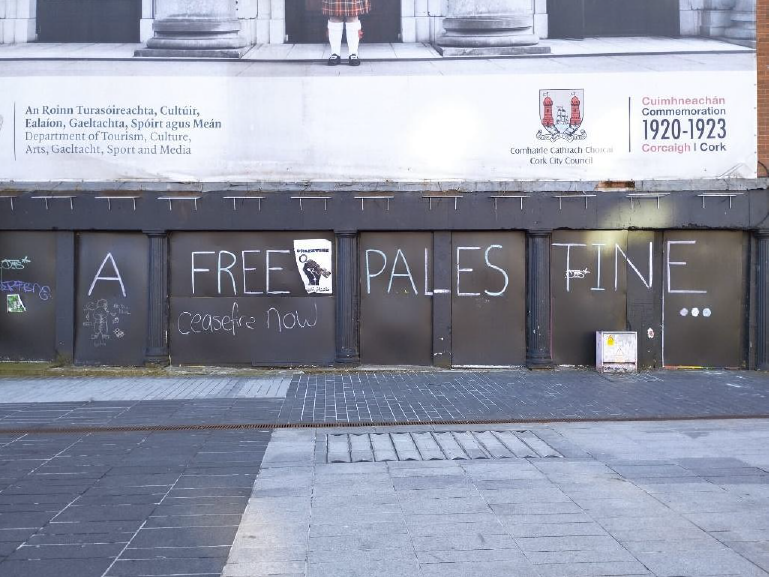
x=616 y=351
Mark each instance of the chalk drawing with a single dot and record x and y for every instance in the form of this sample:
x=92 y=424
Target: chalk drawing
x=684 y=312
x=14 y=263
x=577 y=274
x=100 y=318
x=706 y=312
x=695 y=312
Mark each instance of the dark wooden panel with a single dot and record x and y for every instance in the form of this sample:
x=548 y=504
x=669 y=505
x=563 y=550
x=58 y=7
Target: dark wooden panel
x=306 y=24
x=644 y=294
x=489 y=298
x=396 y=314
x=28 y=277
x=583 y=291
x=111 y=297
x=238 y=311
x=704 y=298
x=88 y=20
x=253 y=330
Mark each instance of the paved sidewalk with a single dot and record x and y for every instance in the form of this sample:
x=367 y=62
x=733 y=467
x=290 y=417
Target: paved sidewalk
x=387 y=397
x=125 y=504
x=74 y=389
x=664 y=499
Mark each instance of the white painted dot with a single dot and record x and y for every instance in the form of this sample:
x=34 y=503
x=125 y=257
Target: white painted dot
x=684 y=312
x=695 y=312
x=706 y=312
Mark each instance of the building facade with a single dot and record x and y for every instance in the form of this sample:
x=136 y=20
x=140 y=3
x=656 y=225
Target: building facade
x=381 y=272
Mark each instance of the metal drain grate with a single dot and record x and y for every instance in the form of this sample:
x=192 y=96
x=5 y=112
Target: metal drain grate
x=430 y=446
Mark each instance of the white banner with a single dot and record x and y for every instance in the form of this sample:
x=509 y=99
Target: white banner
x=603 y=126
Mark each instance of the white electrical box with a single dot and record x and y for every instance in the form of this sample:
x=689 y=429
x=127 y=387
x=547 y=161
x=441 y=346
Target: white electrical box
x=616 y=351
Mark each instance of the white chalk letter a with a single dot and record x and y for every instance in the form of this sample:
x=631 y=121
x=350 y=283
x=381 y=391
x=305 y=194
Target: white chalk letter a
x=98 y=276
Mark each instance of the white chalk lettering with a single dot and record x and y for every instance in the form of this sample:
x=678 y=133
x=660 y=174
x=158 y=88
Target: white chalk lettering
x=246 y=270
x=294 y=318
x=220 y=269
x=116 y=278
x=194 y=270
x=407 y=274
x=461 y=270
x=274 y=268
x=672 y=263
x=568 y=246
x=428 y=292
x=369 y=276
x=597 y=286
x=647 y=284
x=501 y=270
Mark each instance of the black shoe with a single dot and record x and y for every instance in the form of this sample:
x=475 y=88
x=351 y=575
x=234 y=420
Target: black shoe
x=354 y=60
x=334 y=60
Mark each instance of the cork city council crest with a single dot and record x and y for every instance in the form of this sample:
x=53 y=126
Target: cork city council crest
x=561 y=113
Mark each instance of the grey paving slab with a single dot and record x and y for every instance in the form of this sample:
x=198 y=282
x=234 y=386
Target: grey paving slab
x=401 y=397
x=97 y=523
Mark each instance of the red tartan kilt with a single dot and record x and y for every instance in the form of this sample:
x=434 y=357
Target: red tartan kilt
x=346 y=7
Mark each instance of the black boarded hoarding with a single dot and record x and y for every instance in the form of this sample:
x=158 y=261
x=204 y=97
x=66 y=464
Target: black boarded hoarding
x=28 y=292
x=488 y=300
x=704 y=306
x=589 y=291
x=239 y=298
x=396 y=304
x=111 y=298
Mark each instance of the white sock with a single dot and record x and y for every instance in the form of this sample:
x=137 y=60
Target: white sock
x=352 y=36
x=335 y=30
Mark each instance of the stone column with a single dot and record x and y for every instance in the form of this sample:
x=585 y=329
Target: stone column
x=538 y=353
x=157 y=307
x=489 y=27
x=716 y=17
x=743 y=27
x=195 y=29
x=762 y=301
x=18 y=21
x=347 y=297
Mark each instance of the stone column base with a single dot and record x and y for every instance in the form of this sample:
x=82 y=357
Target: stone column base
x=489 y=36
x=195 y=38
x=494 y=51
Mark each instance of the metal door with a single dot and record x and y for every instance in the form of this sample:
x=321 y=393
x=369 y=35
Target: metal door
x=28 y=293
x=396 y=307
x=111 y=298
x=488 y=303
x=305 y=24
x=704 y=298
x=588 y=290
x=88 y=20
